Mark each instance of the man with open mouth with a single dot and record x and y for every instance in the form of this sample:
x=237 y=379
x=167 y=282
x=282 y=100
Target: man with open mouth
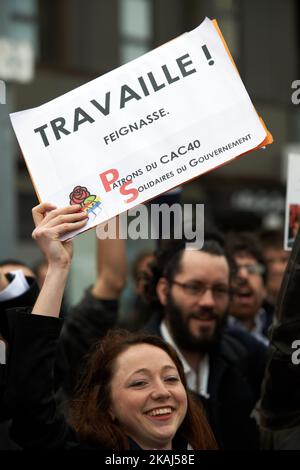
x=249 y=287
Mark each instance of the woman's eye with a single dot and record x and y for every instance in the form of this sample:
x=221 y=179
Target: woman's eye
x=138 y=383
x=172 y=378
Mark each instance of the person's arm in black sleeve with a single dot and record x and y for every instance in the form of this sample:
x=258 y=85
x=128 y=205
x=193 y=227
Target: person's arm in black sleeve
x=26 y=298
x=29 y=397
x=280 y=401
x=37 y=422
x=15 y=291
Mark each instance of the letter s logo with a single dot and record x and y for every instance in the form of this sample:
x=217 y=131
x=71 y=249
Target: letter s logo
x=296 y=354
x=127 y=191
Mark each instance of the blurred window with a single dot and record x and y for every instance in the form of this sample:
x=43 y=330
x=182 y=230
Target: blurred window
x=227 y=14
x=136 y=28
x=78 y=36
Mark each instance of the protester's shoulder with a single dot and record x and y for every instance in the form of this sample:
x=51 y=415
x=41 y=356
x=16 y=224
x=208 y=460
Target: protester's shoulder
x=21 y=319
x=240 y=344
x=90 y=302
x=244 y=337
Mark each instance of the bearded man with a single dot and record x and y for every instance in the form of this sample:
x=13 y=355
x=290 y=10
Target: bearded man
x=224 y=366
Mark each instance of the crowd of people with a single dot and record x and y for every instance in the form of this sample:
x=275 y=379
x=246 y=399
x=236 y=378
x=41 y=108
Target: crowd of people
x=203 y=363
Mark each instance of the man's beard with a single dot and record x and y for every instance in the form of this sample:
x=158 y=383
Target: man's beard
x=204 y=343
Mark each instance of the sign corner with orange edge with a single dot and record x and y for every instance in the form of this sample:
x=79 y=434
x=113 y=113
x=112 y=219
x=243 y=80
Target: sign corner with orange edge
x=269 y=137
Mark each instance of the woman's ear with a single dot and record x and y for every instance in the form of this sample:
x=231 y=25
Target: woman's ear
x=162 y=290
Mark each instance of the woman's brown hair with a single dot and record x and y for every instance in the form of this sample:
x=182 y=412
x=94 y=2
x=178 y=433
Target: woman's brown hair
x=89 y=410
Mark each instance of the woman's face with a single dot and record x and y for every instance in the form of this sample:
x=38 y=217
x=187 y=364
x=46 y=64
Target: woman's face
x=148 y=398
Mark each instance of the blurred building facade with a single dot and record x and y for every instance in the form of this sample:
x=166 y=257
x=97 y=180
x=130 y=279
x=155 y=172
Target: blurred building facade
x=49 y=47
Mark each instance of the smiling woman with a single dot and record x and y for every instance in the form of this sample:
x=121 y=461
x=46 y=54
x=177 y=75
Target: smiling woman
x=132 y=393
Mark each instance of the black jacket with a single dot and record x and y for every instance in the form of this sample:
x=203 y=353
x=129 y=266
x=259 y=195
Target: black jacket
x=28 y=298
x=25 y=300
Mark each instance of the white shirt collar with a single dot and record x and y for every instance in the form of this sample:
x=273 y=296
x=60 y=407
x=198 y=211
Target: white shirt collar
x=191 y=376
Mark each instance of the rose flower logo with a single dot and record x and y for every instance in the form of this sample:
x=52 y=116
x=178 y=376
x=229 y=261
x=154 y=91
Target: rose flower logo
x=89 y=202
x=78 y=195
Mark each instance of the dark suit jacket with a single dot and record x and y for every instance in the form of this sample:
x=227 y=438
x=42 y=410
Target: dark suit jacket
x=27 y=299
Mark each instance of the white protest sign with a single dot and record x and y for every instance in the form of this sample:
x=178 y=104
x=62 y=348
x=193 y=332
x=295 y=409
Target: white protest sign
x=142 y=129
x=292 y=211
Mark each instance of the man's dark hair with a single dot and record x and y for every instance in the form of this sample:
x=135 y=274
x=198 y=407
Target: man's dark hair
x=13 y=262
x=168 y=258
x=248 y=244
x=272 y=238
x=135 y=270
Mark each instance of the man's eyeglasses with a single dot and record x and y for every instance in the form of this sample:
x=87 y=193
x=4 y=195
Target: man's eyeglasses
x=251 y=268
x=278 y=260
x=199 y=289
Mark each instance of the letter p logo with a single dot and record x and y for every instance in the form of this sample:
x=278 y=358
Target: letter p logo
x=2 y=92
